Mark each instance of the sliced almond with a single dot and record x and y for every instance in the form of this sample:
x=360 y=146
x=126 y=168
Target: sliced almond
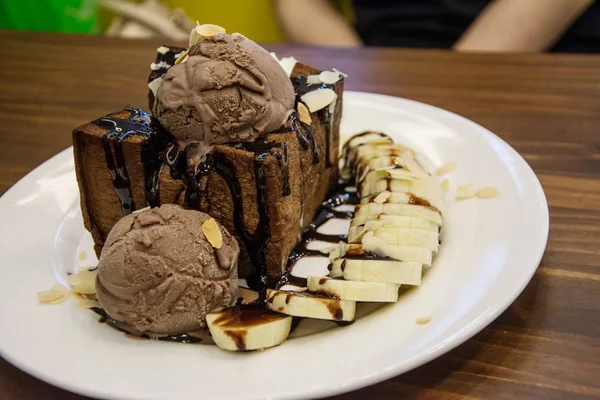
x=382 y=197
x=407 y=158
x=318 y=99
x=57 y=294
x=357 y=238
x=83 y=282
x=423 y=320
x=313 y=80
x=211 y=230
x=446 y=168
x=182 y=57
x=163 y=50
x=334 y=251
x=465 y=191
x=153 y=86
x=367 y=236
x=304 y=114
x=204 y=31
x=488 y=192
x=402 y=174
x=340 y=72
x=445 y=185
x=329 y=77
x=209 y=30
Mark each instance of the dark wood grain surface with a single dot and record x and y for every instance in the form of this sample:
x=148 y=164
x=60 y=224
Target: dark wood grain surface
x=546 y=345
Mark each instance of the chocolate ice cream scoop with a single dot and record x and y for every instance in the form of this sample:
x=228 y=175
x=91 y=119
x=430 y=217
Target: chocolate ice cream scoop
x=162 y=270
x=229 y=89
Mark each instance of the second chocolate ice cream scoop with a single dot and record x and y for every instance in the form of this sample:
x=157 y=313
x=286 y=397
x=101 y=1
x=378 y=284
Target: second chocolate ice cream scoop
x=229 y=89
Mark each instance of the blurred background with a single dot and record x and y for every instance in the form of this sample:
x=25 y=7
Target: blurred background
x=462 y=25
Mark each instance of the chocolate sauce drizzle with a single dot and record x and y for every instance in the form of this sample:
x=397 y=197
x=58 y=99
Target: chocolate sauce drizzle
x=338 y=197
x=302 y=87
x=138 y=123
x=161 y=149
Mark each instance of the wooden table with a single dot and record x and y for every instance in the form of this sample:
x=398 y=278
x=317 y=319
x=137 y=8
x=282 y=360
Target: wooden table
x=546 y=345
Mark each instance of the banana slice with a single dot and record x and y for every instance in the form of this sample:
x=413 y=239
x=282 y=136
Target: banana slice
x=402 y=198
x=406 y=210
x=374 y=247
x=397 y=221
x=353 y=290
x=374 y=270
x=381 y=248
x=399 y=236
x=243 y=328
x=428 y=189
x=374 y=149
x=303 y=304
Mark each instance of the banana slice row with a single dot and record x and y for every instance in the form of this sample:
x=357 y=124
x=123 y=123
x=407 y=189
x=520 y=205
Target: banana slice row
x=394 y=234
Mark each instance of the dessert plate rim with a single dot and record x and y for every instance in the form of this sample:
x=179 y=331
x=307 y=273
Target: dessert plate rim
x=42 y=370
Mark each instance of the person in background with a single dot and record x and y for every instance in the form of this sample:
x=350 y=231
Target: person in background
x=464 y=25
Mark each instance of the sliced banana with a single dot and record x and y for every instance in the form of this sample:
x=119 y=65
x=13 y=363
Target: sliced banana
x=403 y=198
x=409 y=237
x=428 y=189
x=243 y=328
x=400 y=237
x=398 y=221
x=374 y=270
x=406 y=210
x=303 y=304
x=374 y=247
x=354 y=290
x=383 y=147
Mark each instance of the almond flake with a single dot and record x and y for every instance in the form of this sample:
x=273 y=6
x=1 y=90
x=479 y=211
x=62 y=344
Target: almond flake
x=318 y=99
x=182 y=57
x=83 y=282
x=488 y=192
x=57 y=294
x=358 y=237
x=211 y=230
x=423 y=320
x=340 y=72
x=204 y=31
x=153 y=86
x=163 y=50
x=313 y=80
x=401 y=174
x=304 y=114
x=334 y=251
x=382 y=197
x=329 y=77
x=446 y=168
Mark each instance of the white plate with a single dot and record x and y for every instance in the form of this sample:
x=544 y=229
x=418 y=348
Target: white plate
x=490 y=249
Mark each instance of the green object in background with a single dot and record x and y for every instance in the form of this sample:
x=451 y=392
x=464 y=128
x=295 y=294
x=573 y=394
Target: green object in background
x=76 y=16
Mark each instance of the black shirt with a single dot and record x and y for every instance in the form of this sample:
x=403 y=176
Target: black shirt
x=440 y=23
